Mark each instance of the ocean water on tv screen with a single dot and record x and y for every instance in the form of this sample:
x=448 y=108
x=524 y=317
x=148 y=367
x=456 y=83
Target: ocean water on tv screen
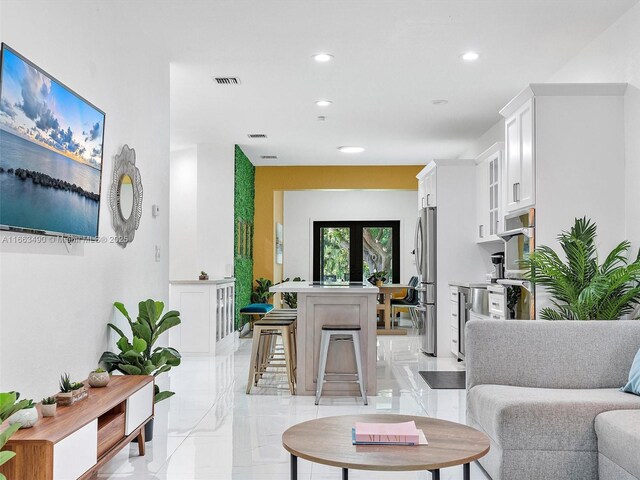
x=50 y=153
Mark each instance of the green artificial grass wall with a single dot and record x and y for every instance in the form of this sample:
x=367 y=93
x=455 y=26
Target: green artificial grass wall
x=244 y=195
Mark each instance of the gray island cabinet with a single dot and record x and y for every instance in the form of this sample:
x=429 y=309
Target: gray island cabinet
x=320 y=305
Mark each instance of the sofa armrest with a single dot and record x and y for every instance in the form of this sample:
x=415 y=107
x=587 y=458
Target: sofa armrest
x=550 y=354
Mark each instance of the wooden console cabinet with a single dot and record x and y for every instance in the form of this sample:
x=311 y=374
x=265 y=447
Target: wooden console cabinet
x=82 y=437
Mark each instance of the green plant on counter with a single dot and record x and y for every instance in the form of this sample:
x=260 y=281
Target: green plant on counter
x=9 y=404
x=67 y=386
x=137 y=356
x=380 y=276
x=291 y=298
x=99 y=370
x=261 y=293
x=29 y=404
x=49 y=401
x=580 y=287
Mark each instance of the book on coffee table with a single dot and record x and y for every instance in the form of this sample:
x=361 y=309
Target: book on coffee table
x=405 y=433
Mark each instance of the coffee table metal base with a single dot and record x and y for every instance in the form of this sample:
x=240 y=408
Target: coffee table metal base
x=435 y=474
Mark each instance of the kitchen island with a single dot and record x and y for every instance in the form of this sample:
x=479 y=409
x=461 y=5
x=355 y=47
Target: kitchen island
x=320 y=305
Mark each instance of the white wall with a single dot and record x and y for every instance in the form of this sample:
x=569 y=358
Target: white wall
x=615 y=57
x=202 y=202
x=55 y=304
x=183 y=214
x=302 y=208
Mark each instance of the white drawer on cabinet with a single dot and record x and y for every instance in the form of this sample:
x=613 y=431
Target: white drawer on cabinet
x=454 y=341
x=139 y=408
x=454 y=315
x=453 y=294
x=77 y=453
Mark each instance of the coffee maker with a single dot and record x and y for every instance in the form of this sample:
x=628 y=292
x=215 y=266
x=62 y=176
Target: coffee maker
x=497 y=259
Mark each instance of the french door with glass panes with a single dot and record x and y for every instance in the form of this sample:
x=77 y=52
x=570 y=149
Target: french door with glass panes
x=351 y=251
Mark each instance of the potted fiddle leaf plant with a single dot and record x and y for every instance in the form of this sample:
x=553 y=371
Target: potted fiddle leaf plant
x=261 y=293
x=9 y=404
x=137 y=355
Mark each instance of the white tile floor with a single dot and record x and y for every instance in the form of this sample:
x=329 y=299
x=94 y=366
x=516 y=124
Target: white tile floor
x=212 y=430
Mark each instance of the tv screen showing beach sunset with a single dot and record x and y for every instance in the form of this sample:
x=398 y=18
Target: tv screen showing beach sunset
x=50 y=153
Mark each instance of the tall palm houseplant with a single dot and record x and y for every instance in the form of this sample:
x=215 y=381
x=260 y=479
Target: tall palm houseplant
x=580 y=287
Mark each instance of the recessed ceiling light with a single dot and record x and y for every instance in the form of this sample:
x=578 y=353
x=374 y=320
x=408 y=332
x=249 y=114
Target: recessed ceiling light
x=439 y=101
x=323 y=57
x=470 y=56
x=323 y=103
x=347 y=149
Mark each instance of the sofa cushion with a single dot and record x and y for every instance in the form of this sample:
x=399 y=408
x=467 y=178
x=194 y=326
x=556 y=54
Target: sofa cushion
x=633 y=385
x=619 y=438
x=544 y=418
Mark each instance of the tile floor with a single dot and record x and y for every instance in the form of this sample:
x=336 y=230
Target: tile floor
x=212 y=430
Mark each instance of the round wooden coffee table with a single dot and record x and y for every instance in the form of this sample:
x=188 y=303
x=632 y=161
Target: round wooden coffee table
x=328 y=441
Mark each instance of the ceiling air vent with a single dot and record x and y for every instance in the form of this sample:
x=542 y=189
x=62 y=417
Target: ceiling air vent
x=269 y=157
x=227 y=80
x=257 y=135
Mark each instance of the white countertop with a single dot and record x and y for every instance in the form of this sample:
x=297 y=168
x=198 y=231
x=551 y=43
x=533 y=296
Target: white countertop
x=480 y=283
x=308 y=287
x=215 y=281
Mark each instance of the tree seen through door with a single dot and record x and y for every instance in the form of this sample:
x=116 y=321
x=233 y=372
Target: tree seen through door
x=351 y=251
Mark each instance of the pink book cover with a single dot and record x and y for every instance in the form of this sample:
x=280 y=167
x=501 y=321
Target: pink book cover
x=405 y=432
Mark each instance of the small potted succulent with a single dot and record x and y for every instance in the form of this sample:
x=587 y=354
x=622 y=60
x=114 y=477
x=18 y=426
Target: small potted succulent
x=99 y=378
x=70 y=392
x=380 y=277
x=27 y=416
x=49 y=405
x=203 y=275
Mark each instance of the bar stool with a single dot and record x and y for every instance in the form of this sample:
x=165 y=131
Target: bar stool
x=340 y=333
x=263 y=355
x=269 y=352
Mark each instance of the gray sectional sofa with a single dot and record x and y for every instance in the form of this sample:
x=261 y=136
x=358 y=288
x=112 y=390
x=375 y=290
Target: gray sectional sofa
x=547 y=396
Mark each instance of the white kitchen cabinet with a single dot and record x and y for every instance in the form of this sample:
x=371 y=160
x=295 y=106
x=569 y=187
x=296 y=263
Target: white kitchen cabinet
x=519 y=158
x=565 y=156
x=207 y=313
x=489 y=188
x=427 y=187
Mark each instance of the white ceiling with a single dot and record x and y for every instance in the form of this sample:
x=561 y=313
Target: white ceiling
x=392 y=58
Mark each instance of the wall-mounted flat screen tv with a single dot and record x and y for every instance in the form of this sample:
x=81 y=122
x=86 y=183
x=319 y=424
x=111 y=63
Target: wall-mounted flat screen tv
x=51 y=142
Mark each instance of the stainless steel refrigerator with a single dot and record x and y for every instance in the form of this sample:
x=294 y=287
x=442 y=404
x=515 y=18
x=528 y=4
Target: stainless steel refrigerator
x=425 y=250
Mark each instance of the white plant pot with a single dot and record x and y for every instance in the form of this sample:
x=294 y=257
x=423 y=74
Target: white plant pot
x=49 y=410
x=98 y=379
x=27 y=417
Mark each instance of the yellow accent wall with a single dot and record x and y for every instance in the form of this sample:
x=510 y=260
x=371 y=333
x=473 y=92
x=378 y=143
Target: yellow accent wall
x=272 y=182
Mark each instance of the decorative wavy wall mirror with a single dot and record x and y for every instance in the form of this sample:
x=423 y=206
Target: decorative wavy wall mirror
x=125 y=196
